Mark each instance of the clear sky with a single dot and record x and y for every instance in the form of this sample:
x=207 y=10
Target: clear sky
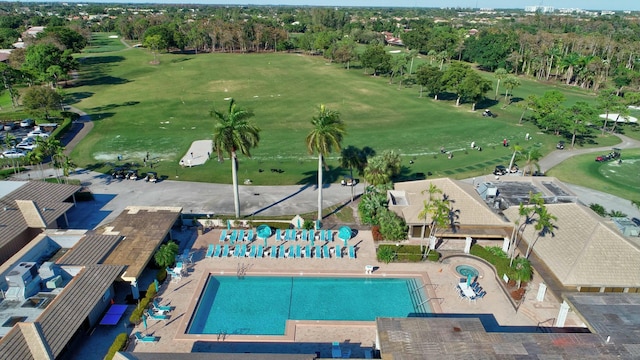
x=498 y=4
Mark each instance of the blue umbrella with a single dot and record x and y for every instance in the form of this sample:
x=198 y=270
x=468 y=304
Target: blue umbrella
x=228 y=224
x=144 y=321
x=468 y=279
x=263 y=231
x=155 y=282
x=344 y=233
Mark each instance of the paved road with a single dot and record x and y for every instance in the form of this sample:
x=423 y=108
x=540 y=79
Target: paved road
x=558 y=156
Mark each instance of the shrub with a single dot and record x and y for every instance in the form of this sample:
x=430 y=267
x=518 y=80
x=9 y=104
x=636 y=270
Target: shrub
x=308 y=225
x=403 y=253
x=385 y=254
x=433 y=256
x=119 y=344
x=136 y=315
x=151 y=291
x=392 y=226
x=496 y=251
x=375 y=233
x=161 y=275
x=501 y=263
x=518 y=294
x=598 y=209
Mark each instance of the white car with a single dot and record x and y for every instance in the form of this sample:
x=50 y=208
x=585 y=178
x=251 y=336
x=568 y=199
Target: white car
x=27 y=144
x=13 y=153
x=38 y=133
x=26 y=123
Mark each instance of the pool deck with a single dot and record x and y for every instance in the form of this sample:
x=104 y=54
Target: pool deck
x=440 y=280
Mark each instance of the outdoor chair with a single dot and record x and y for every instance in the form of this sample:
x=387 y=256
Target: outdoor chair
x=338 y=252
x=223 y=235
x=325 y=252
x=160 y=308
x=210 y=250
x=225 y=251
x=278 y=235
x=307 y=251
x=157 y=316
x=317 y=252
x=274 y=252
x=352 y=252
x=144 y=338
x=260 y=251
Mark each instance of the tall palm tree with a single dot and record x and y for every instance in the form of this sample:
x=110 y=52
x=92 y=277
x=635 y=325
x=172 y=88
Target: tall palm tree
x=234 y=132
x=326 y=135
x=499 y=74
x=531 y=159
x=428 y=206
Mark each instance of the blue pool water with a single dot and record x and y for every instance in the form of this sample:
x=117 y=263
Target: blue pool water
x=262 y=305
x=466 y=270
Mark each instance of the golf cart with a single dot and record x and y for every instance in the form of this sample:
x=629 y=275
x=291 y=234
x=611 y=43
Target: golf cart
x=613 y=155
x=500 y=170
x=560 y=145
x=132 y=174
x=348 y=181
x=151 y=177
x=488 y=113
x=118 y=173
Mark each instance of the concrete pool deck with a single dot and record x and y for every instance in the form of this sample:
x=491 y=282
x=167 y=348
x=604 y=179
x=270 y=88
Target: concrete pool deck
x=316 y=337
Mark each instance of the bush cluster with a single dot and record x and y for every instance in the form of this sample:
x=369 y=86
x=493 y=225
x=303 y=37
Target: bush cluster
x=375 y=233
x=500 y=260
x=119 y=344
x=136 y=315
x=402 y=253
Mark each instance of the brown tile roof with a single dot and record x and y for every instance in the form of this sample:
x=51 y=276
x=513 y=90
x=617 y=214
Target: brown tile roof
x=65 y=315
x=144 y=229
x=472 y=209
x=584 y=250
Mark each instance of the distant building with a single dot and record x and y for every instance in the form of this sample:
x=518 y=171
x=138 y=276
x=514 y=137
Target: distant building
x=542 y=9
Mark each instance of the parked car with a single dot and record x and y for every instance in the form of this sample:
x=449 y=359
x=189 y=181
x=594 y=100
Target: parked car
x=39 y=133
x=13 y=154
x=500 y=170
x=27 y=144
x=8 y=126
x=26 y=123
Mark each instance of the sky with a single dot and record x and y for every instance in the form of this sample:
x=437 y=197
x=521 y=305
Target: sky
x=496 y=4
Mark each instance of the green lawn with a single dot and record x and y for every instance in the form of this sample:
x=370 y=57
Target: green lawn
x=102 y=43
x=613 y=178
x=161 y=109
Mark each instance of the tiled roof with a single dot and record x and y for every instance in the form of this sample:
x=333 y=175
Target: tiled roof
x=583 y=249
x=65 y=315
x=91 y=249
x=45 y=196
x=466 y=338
x=464 y=200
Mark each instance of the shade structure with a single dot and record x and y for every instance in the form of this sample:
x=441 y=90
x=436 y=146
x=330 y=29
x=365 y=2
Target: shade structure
x=344 y=233
x=263 y=231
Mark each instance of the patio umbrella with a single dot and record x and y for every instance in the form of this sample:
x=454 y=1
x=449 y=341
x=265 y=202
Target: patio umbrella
x=228 y=224
x=263 y=231
x=144 y=321
x=468 y=279
x=344 y=233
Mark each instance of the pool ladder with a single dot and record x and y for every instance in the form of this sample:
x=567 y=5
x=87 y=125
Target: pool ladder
x=242 y=270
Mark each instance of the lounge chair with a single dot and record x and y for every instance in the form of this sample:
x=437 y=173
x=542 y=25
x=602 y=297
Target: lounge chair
x=290 y=252
x=336 y=352
x=157 y=316
x=330 y=235
x=223 y=235
x=312 y=235
x=278 y=235
x=281 y=252
x=297 y=252
x=241 y=235
x=274 y=252
x=158 y=307
x=217 y=251
x=225 y=251
x=210 y=250
x=338 y=252
x=318 y=252
x=260 y=252
x=250 y=235
x=144 y=338
x=303 y=236
x=352 y=252
x=307 y=251
x=325 y=252
x=234 y=236
x=252 y=253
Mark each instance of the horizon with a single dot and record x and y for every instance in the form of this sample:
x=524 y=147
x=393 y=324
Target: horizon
x=591 y=5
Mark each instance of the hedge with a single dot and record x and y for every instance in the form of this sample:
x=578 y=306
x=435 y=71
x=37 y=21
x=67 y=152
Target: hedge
x=501 y=263
x=405 y=253
x=119 y=344
x=136 y=315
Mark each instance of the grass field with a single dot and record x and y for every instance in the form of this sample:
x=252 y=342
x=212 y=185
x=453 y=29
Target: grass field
x=161 y=109
x=610 y=177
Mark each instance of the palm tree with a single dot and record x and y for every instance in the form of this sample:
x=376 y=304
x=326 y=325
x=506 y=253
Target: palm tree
x=326 y=135
x=166 y=254
x=543 y=225
x=500 y=74
x=517 y=149
x=531 y=159
x=510 y=83
x=234 y=132
x=427 y=207
x=377 y=172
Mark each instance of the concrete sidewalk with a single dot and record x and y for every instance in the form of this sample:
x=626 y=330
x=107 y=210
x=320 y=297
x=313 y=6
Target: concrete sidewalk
x=199 y=152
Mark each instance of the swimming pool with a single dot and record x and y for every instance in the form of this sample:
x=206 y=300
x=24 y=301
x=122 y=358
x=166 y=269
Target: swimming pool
x=256 y=305
x=466 y=270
